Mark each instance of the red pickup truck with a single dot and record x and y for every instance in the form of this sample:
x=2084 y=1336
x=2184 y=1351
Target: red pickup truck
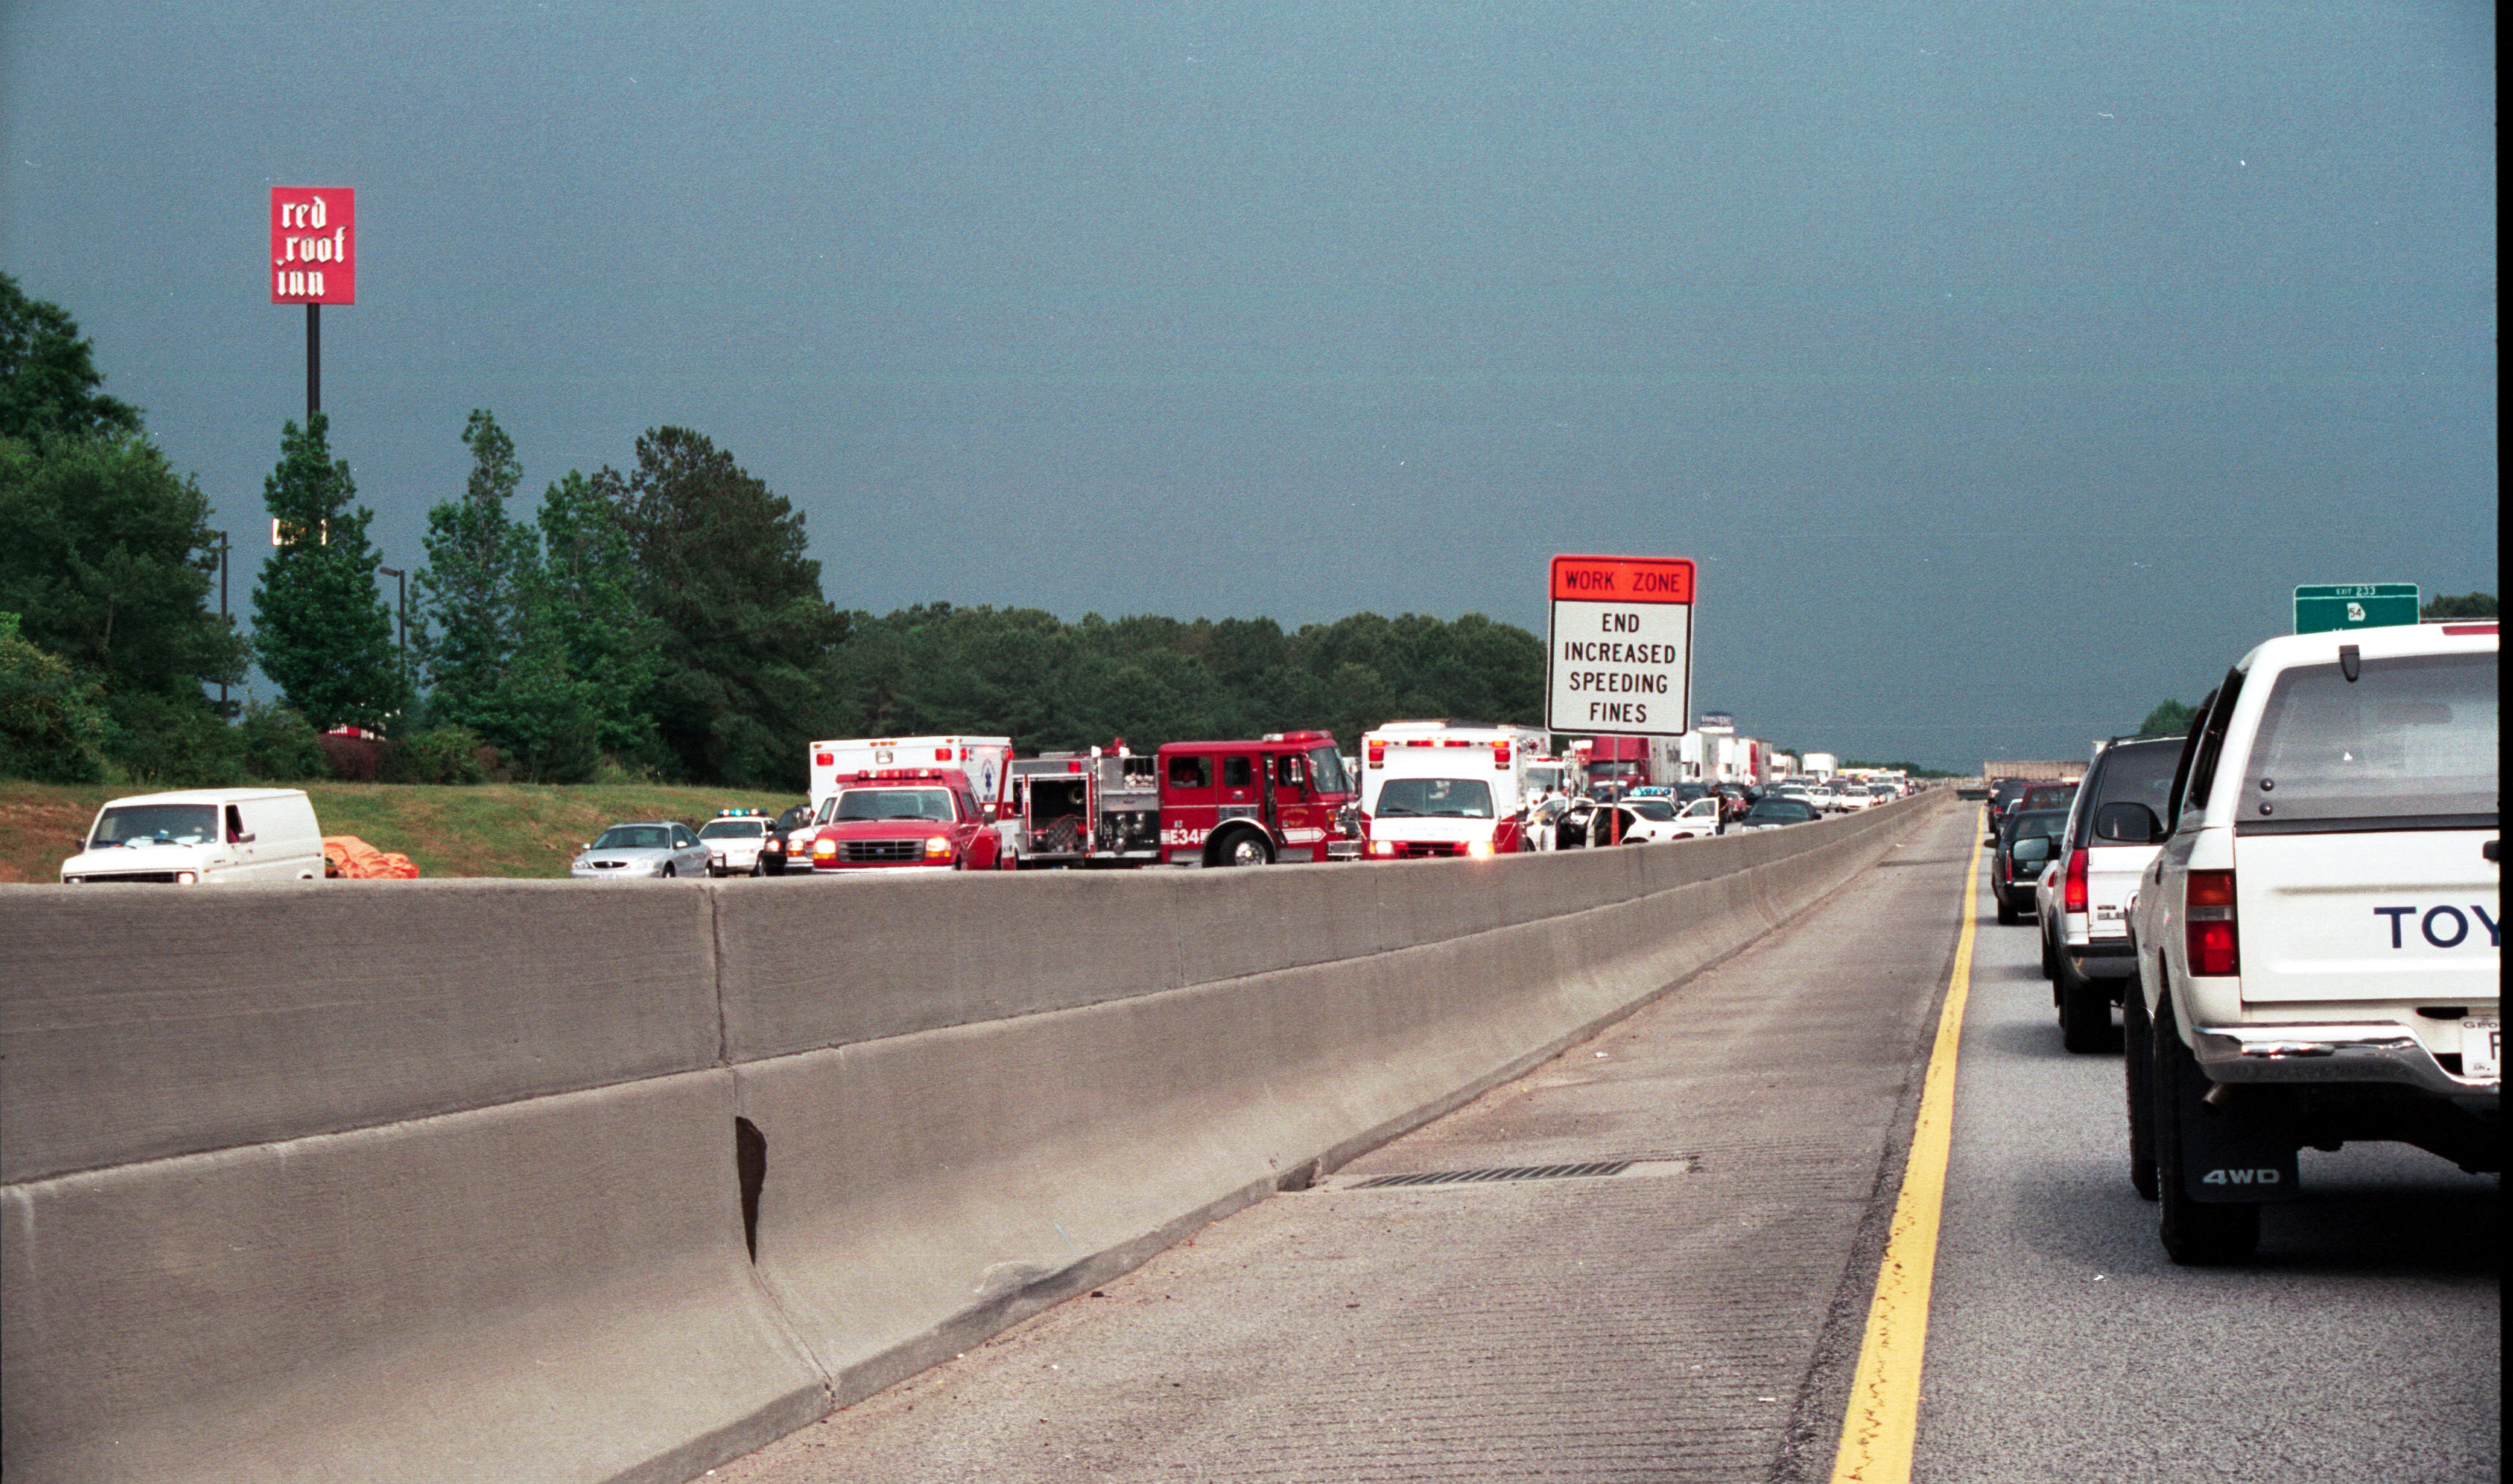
x=906 y=819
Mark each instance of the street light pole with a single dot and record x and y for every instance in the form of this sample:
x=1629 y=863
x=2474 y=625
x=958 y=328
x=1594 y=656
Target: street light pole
x=401 y=609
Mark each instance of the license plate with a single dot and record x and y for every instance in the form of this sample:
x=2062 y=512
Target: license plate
x=2482 y=1044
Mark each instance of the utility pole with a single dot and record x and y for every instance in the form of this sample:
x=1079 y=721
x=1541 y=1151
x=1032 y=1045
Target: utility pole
x=313 y=362
x=223 y=614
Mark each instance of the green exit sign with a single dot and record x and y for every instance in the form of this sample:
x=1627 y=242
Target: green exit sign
x=2354 y=606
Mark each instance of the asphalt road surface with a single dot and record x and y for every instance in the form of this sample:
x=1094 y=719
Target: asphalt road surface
x=1697 y=1313
x=2364 y=1343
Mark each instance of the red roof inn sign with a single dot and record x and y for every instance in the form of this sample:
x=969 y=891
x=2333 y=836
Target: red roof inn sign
x=1619 y=655
x=313 y=245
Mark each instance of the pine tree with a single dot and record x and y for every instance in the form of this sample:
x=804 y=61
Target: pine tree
x=470 y=595
x=589 y=599
x=492 y=642
x=321 y=627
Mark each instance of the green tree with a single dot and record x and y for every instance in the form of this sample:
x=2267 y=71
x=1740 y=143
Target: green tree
x=49 y=383
x=587 y=597
x=108 y=561
x=52 y=723
x=322 y=628
x=745 y=634
x=2169 y=719
x=2465 y=605
x=471 y=593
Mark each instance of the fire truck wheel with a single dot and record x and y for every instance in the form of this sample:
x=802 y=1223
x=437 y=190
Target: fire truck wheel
x=1005 y=860
x=1245 y=847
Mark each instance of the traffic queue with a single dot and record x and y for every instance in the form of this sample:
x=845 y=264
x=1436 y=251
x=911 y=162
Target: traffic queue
x=1411 y=790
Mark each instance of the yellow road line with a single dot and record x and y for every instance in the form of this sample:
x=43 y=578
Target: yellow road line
x=1881 y=1428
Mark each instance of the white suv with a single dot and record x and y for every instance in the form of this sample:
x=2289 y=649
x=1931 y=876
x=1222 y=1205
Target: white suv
x=2316 y=944
x=2082 y=908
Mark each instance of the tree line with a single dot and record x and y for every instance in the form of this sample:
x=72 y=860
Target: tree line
x=658 y=622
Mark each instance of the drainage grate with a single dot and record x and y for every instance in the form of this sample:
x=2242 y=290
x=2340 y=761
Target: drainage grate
x=1594 y=1168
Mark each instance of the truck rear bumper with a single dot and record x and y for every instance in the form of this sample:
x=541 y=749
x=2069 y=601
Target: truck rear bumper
x=2332 y=1053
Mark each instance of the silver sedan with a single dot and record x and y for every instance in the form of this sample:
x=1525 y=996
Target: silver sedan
x=641 y=852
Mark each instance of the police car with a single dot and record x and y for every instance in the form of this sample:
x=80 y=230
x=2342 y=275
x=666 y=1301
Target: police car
x=733 y=839
x=2316 y=942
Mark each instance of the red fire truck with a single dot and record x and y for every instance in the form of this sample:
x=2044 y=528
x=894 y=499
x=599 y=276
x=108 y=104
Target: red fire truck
x=1100 y=807
x=1284 y=796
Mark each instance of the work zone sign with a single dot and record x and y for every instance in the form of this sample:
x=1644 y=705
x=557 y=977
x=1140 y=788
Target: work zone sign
x=1619 y=657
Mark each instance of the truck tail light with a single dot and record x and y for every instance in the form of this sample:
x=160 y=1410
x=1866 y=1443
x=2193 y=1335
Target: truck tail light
x=1383 y=848
x=1501 y=756
x=2208 y=917
x=1377 y=755
x=822 y=760
x=2072 y=891
x=938 y=847
x=941 y=755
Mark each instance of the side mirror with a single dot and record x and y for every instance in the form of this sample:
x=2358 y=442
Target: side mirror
x=245 y=839
x=2127 y=823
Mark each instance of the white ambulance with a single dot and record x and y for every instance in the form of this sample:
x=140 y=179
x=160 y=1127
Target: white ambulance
x=1435 y=788
x=987 y=761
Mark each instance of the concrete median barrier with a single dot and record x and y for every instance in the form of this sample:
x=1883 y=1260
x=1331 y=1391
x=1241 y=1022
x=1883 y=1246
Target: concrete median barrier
x=559 y=1181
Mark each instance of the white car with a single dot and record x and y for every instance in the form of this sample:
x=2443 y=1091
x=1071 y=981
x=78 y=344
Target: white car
x=1641 y=822
x=733 y=839
x=2316 y=942
x=641 y=851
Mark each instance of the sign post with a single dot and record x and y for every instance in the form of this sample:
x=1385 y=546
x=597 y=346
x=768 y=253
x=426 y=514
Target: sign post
x=313 y=262
x=1619 y=654
x=2330 y=607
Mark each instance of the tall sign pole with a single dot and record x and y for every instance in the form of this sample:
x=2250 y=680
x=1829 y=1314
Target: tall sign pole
x=313 y=262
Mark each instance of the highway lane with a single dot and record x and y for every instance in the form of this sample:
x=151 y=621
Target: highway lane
x=2364 y=1343
x=1691 y=1316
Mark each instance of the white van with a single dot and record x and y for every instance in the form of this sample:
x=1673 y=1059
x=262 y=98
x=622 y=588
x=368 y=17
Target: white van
x=202 y=836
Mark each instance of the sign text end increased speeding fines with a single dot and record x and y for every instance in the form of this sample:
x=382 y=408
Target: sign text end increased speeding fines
x=1620 y=657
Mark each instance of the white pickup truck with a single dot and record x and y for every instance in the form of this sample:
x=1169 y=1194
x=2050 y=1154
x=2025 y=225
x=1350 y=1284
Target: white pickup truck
x=2316 y=942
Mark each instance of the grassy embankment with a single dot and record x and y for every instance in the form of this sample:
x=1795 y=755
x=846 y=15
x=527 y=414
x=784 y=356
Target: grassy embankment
x=494 y=829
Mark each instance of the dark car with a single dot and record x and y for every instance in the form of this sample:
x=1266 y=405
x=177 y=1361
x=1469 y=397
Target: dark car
x=2003 y=796
x=2027 y=840
x=1772 y=813
x=2047 y=796
x=773 y=850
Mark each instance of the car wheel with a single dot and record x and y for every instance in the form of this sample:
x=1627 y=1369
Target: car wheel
x=758 y=869
x=1247 y=848
x=2085 y=1011
x=2050 y=964
x=2195 y=1233
x=2137 y=1049
x=668 y=869
x=2007 y=915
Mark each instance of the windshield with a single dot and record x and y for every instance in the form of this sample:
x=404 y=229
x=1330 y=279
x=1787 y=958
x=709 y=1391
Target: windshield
x=2409 y=737
x=1326 y=771
x=895 y=804
x=157 y=824
x=733 y=829
x=1445 y=797
x=1779 y=810
x=1544 y=777
x=635 y=838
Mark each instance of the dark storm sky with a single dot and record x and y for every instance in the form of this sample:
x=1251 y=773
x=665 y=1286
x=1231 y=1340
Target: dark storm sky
x=2003 y=366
